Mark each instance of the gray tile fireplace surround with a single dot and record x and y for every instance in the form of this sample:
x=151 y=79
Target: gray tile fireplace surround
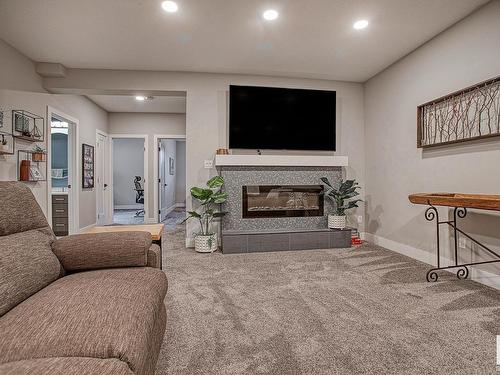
x=280 y=233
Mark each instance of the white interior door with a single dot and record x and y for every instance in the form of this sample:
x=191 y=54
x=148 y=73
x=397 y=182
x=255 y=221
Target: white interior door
x=101 y=179
x=162 y=179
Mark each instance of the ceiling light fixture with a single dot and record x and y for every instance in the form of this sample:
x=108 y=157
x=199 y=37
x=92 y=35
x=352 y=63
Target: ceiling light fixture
x=270 y=15
x=140 y=98
x=170 y=6
x=361 y=24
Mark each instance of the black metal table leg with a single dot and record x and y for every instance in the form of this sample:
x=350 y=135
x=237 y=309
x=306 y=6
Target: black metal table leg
x=463 y=272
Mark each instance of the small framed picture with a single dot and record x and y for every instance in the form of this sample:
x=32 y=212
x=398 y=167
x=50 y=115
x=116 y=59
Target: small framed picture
x=87 y=166
x=35 y=174
x=6 y=144
x=171 y=166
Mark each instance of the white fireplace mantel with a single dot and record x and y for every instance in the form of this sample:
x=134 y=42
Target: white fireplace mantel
x=281 y=160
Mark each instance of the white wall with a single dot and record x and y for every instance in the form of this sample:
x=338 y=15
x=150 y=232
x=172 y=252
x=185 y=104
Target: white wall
x=180 y=173
x=150 y=124
x=465 y=54
x=206 y=117
x=91 y=117
x=17 y=72
x=128 y=162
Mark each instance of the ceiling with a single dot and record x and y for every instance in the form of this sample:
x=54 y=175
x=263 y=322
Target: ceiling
x=311 y=38
x=127 y=103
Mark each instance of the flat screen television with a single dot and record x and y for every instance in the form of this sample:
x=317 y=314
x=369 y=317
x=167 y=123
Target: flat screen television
x=269 y=118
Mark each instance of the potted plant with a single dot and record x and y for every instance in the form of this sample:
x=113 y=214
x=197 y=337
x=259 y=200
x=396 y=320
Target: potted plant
x=209 y=197
x=38 y=153
x=340 y=196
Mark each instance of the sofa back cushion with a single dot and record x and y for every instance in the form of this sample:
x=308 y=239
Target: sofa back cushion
x=27 y=263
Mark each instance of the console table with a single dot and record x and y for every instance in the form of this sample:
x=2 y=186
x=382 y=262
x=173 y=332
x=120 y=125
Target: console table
x=460 y=203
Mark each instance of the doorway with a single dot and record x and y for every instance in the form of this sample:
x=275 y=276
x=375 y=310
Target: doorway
x=102 y=183
x=63 y=182
x=129 y=179
x=171 y=171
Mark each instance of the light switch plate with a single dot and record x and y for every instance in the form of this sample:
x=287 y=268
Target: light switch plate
x=208 y=164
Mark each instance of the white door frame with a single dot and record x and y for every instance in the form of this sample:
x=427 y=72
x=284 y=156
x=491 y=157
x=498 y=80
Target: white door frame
x=156 y=139
x=73 y=194
x=108 y=207
x=146 y=170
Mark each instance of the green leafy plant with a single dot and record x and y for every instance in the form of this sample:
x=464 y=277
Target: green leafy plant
x=209 y=197
x=341 y=195
x=39 y=150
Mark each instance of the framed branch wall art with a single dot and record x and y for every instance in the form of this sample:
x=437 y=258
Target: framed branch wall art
x=468 y=114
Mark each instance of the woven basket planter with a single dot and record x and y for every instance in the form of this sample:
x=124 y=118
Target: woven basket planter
x=205 y=244
x=336 y=222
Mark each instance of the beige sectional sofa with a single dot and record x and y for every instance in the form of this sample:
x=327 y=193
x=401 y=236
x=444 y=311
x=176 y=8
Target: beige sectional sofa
x=83 y=304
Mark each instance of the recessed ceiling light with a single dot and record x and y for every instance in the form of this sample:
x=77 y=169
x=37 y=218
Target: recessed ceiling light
x=270 y=15
x=361 y=24
x=170 y=6
x=140 y=98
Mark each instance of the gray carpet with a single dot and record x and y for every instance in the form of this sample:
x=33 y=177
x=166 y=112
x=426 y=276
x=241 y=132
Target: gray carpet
x=364 y=310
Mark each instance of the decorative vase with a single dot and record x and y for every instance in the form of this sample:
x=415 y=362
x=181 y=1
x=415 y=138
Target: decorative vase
x=205 y=244
x=24 y=173
x=336 y=222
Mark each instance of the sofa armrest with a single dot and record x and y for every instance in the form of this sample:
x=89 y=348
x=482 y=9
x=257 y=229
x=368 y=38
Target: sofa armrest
x=154 y=256
x=103 y=250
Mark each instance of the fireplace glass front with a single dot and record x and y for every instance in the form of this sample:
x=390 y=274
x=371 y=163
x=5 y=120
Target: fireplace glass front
x=282 y=200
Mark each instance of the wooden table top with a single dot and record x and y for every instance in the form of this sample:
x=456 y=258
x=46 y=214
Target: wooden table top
x=479 y=201
x=155 y=229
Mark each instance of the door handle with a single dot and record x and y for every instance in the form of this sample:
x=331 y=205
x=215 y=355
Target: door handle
x=69 y=186
x=105 y=185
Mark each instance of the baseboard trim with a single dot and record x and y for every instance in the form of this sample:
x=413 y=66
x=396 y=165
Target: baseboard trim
x=128 y=206
x=180 y=205
x=150 y=220
x=480 y=276
x=87 y=228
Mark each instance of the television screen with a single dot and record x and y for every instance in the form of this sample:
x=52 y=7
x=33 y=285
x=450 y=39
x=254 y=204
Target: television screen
x=268 y=118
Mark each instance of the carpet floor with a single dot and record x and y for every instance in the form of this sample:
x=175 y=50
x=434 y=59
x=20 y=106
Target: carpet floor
x=364 y=310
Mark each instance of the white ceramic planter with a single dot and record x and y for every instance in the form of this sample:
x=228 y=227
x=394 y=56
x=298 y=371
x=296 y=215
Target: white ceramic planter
x=336 y=222
x=205 y=244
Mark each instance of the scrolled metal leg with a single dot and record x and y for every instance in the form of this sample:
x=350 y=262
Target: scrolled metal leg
x=431 y=276
x=462 y=273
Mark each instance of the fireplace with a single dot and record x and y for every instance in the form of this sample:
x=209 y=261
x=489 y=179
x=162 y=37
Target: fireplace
x=261 y=201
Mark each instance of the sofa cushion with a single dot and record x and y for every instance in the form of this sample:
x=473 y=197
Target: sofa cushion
x=27 y=264
x=66 y=366
x=20 y=211
x=117 y=313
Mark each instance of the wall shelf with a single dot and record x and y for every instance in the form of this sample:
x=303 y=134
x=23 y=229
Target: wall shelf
x=31 y=166
x=27 y=126
x=281 y=160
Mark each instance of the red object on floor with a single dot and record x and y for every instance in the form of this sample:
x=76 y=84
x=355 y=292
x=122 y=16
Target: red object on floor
x=356 y=241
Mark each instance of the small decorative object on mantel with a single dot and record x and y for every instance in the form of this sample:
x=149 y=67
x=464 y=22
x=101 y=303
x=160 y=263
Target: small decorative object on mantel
x=209 y=197
x=222 y=151
x=468 y=114
x=87 y=166
x=28 y=126
x=340 y=197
